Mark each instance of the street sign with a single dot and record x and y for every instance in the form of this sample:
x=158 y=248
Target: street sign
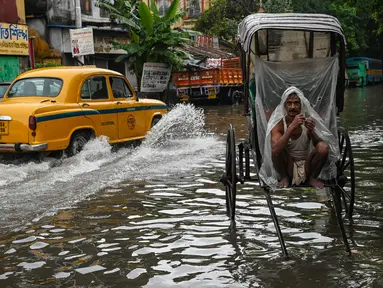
x=155 y=77
x=82 y=42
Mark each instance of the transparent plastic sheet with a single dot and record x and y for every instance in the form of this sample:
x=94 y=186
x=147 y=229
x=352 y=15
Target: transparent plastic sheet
x=315 y=84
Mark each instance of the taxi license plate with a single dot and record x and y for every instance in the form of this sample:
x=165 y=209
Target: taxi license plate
x=4 y=128
x=212 y=96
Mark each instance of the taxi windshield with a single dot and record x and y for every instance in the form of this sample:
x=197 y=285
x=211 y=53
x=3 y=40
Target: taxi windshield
x=45 y=87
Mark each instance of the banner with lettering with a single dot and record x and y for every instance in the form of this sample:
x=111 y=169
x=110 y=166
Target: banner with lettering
x=155 y=77
x=14 y=39
x=82 y=42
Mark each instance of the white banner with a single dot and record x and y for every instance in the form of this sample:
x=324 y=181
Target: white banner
x=82 y=42
x=155 y=77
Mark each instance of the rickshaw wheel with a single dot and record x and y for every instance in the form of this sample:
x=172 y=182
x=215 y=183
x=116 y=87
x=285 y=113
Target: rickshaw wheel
x=231 y=173
x=346 y=173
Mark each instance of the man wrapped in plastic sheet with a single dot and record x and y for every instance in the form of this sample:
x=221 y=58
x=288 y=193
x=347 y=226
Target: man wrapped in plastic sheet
x=317 y=81
x=298 y=143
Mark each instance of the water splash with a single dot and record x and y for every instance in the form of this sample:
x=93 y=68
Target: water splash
x=176 y=145
x=185 y=121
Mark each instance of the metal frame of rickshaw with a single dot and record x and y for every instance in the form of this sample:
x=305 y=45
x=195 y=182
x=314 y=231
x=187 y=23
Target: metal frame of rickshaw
x=339 y=194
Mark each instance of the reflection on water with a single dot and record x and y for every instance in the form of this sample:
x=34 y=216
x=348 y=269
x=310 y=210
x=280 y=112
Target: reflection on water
x=155 y=215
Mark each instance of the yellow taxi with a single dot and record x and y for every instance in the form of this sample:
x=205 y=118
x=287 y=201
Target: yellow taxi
x=61 y=108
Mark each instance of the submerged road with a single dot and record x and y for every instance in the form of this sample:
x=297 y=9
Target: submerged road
x=154 y=215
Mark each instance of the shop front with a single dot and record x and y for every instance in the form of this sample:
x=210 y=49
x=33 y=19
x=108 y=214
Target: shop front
x=14 y=50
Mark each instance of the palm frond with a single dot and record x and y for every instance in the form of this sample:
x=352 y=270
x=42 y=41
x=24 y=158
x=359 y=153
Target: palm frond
x=146 y=17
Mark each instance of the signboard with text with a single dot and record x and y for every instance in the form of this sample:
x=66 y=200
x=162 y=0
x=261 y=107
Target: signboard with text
x=82 y=41
x=155 y=77
x=14 y=39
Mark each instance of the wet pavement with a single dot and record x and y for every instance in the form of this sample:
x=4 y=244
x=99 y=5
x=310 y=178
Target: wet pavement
x=154 y=215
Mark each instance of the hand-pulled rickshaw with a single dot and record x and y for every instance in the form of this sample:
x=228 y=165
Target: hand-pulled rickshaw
x=279 y=51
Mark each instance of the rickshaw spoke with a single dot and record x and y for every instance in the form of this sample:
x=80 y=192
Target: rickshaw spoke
x=344 y=167
x=345 y=203
x=345 y=193
x=338 y=211
x=341 y=142
x=230 y=177
x=344 y=156
x=347 y=164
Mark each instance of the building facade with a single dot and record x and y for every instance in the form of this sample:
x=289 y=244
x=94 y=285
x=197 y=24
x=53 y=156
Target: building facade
x=194 y=9
x=14 y=40
x=50 y=21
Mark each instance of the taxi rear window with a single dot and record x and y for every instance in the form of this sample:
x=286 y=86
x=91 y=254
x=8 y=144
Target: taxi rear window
x=29 y=87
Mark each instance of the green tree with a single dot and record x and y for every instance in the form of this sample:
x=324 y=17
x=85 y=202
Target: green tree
x=378 y=14
x=223 y=17
x=152 y=38
x=277 y=6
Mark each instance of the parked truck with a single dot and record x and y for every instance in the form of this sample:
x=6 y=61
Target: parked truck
x=223 y=83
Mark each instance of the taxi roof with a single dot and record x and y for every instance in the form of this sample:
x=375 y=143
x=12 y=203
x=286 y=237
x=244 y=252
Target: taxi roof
x=67 y=72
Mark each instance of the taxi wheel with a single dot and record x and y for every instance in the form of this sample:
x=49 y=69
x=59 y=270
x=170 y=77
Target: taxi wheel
x=77 y=143
x=154 y=122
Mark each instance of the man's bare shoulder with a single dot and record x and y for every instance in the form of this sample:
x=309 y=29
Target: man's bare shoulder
x=278 y=128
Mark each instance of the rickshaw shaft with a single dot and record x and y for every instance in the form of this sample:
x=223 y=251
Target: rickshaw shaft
x=276 y=223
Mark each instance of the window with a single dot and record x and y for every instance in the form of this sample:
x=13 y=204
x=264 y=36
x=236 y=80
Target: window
x=375 y=65
x=45 y=87
x=119 y=88
x=194 y=10
x=163 y=6
x=86 y=7
x=94 y=89
x=104 y=13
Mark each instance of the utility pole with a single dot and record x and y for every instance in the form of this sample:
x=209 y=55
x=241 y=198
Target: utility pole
x=78 y=25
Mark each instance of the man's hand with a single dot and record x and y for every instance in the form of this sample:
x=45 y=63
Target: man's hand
x=310 y=125
x=298 y=121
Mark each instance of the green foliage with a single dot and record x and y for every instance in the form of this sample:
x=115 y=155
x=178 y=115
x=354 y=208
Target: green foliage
x=42 y=65
x=377 y=14
x=223 y=17
x=278 y=6
x=124 y=12
x=152 y=38
x=47 y=64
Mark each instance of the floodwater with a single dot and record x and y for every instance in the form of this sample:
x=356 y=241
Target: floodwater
x=154 y=215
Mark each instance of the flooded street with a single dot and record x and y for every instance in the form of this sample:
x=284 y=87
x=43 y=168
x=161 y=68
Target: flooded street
x=155 y=215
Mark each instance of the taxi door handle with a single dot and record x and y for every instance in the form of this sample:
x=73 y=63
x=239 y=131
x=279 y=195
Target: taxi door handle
x=119 y=103
x=85 y=105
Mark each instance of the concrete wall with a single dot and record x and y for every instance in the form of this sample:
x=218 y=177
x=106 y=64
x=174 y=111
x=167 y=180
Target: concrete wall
x=61 y=12
x=95 y=17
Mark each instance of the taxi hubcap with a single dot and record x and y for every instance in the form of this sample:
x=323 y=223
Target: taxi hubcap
x=79 y=144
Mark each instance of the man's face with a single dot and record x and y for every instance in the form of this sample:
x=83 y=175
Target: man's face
x=293 y=105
